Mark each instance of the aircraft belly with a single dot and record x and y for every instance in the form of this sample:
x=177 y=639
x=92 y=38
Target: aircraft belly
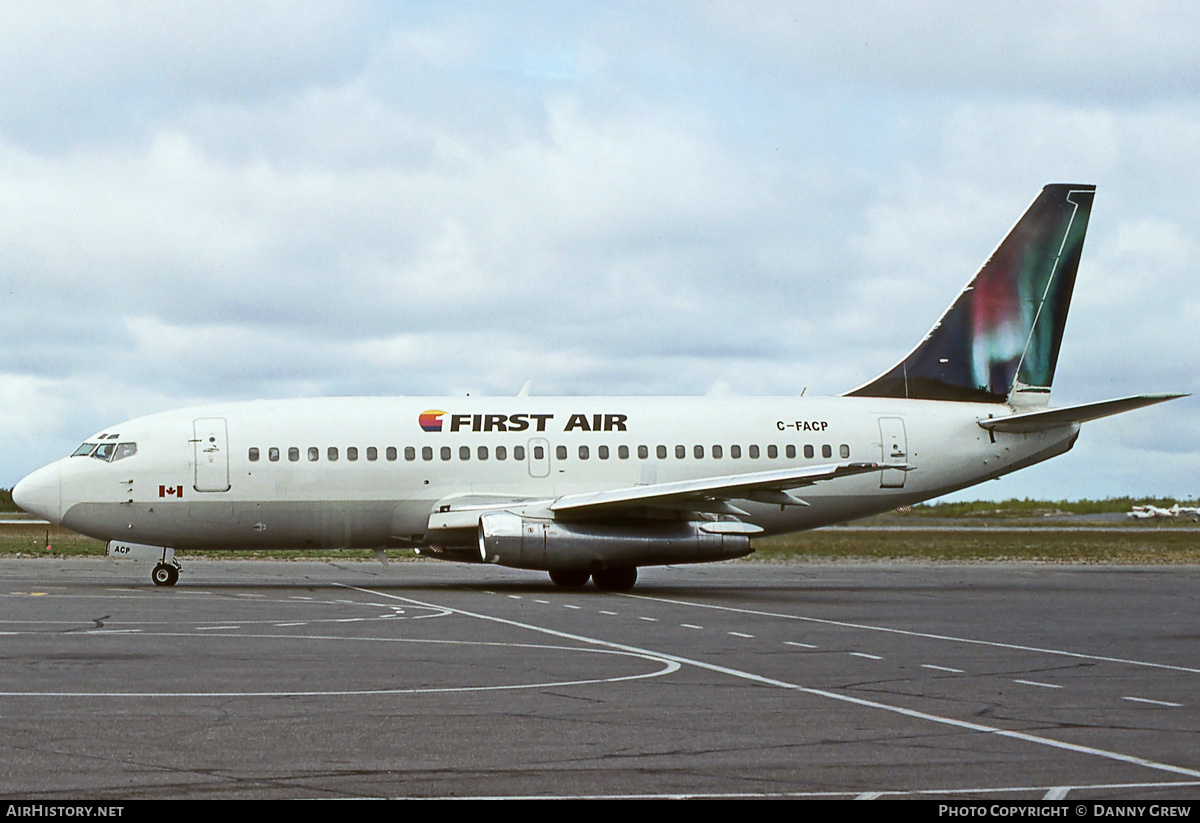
x=233 y=526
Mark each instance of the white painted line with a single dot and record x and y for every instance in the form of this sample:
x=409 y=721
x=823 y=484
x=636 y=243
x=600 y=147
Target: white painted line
x=914 y=714
x=740 y=634
x=512 y=597
x=869 y=796
x=113 y=631
x=610 y=614
x=284 y=625
x=569 y=606
x=941 y=668
x=649 y=619
x=691 y=626
x=926 y=635
x=215 y=628
x=543 y=602
x=868 y=656
x=1057 y=793
x=299 y=597
x=798 y=644
x=1152 y=702
x=1036 y=683
x=246 y=594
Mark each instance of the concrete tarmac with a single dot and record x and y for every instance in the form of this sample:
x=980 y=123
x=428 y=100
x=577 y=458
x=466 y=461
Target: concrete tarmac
x=255 y=679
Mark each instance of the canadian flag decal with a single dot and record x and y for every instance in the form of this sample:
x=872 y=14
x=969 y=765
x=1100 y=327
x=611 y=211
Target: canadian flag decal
x=171 y=491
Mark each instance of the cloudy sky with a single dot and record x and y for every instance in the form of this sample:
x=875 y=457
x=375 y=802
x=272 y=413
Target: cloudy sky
x=217 y=201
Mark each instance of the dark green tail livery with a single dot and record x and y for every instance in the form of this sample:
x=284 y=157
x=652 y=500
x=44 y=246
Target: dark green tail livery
x=999 y=340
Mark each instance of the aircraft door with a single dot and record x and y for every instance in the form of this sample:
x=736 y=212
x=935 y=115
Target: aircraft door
x=895 y=450
x=211 y=448
x=539 y=457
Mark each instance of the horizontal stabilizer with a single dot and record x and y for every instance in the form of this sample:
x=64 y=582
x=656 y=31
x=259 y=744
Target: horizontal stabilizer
x=1055 y=418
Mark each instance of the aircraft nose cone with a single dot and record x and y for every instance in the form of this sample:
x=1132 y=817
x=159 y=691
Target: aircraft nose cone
x=41 y=493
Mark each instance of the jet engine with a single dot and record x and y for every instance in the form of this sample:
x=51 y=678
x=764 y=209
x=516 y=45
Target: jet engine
x=533 y=543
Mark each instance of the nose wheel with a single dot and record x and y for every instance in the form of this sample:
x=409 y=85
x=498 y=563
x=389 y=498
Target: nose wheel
x=165 y=574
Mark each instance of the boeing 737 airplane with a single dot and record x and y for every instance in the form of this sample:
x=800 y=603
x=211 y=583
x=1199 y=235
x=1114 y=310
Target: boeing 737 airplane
x=594 y=487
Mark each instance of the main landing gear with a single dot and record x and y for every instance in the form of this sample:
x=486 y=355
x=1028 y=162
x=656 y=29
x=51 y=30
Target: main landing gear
x=610 y=580
x=165 y=574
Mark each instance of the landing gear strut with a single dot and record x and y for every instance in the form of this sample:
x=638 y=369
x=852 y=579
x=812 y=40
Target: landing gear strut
x=165 y=574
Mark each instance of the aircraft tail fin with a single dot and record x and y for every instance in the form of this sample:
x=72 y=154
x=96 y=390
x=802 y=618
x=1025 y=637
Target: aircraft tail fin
x=999 y=340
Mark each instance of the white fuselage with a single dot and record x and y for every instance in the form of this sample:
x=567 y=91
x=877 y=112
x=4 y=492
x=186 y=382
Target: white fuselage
x=263 y=475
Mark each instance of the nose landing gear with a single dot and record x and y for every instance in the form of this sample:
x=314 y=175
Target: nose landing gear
x=165 y=574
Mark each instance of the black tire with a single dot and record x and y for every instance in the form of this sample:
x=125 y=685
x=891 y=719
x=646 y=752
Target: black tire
x=615 y=580
x=571 y=578
x=164 y=575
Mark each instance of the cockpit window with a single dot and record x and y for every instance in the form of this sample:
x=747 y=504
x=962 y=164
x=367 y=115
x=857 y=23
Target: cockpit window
x=104 y=451
x=84 y=450
x=124 y=450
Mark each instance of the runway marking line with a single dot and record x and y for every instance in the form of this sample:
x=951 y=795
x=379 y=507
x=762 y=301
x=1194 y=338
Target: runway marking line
x=867 y=656
x=741 y=634
x=915 y=714
x=799 y=644
x=911 y=633
x=1036 y=683
x=1153 y=702
x=941 y=668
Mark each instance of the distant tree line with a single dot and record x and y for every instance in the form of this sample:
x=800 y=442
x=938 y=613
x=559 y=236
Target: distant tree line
x=6 y=504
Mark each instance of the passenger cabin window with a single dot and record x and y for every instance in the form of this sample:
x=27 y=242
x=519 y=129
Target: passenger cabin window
x=717 y=452
x=427 y=452
x=643 y=452
x=481 y=452
x=754 y=452
x=314 y=454
x=519 y=452
x=844 y=450
x=410 y=453
x=333 y=453
x=372 y=453
x=790 y=451
x=391 y=452
x=680 y=452
x=735 y=452
x=583 y=452
x=293 y=454
x=253 y=454
x=444 y=452
x=623 y=452
x=464 y=452
x=698 y=452
x=351 y=452
x=808 y=452
x=772 y=452
x=602 y=452
x=661 y=451
x=827 y=451
x=560 y=452
x=501 y=453
x=539 y=453
x=273 y=454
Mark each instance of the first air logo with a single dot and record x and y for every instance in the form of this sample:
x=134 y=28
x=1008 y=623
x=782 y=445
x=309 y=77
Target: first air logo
x=431 y=421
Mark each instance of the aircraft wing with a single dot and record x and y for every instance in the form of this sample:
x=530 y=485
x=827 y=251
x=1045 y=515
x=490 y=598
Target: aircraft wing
x=768 y=486
x=710 y=495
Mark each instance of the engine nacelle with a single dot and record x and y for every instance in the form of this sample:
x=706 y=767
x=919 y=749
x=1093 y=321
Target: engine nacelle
x=532 y=543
